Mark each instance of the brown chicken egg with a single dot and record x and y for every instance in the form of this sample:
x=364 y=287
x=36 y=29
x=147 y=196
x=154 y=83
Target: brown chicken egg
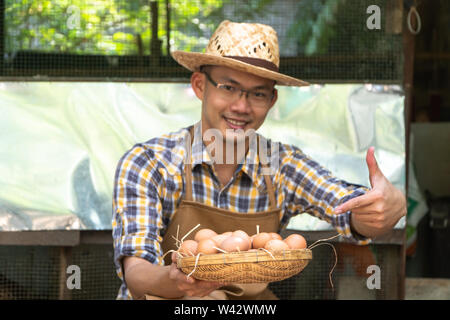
x=295 y=241
x=275 y=245
x=188 y=248
x=275 y=236
x=260 y=240
x=232 y=244
x=204 y=234
x=243 y=235
x=207 y=246
x=220 y=238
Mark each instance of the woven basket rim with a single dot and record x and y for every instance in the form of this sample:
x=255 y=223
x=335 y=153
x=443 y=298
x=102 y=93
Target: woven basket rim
x=245 y=257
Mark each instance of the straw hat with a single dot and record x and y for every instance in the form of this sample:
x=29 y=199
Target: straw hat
x=248 y=47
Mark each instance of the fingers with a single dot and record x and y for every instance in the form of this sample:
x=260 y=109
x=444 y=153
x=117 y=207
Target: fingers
x=177 y=275
x=199 y=288
x=375 y=221
x=174 y=257
x=372 y=164
x=375 y=174
x=359 y=202
x=190 y=285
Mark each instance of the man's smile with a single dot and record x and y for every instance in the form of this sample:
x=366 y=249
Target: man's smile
x=235 y=123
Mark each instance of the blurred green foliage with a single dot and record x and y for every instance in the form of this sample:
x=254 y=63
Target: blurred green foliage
x=99 y=26
x=123 y=27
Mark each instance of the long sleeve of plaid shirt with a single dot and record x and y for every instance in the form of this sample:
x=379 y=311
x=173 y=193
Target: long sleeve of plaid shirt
x=149 y=186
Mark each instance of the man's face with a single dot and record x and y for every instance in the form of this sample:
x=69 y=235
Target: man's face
x=236 y=115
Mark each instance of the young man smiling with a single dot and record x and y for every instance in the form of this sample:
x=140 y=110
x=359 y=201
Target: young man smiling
x=167 y=185
x=234 y=104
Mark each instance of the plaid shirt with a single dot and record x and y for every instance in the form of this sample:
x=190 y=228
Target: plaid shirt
x=149 y=187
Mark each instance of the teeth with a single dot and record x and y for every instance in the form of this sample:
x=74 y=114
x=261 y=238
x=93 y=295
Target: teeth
x=237 y=123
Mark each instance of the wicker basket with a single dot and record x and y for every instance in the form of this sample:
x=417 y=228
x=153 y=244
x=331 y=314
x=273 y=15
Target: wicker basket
x=254 y=266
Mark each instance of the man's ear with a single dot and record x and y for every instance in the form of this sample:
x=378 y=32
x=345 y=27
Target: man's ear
x=198 y=84
x=274 y=99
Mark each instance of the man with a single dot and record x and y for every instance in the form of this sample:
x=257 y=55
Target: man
x=167 y=185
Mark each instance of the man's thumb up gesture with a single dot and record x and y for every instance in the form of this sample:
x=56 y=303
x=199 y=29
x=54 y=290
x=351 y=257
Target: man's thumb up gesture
x=380 y=208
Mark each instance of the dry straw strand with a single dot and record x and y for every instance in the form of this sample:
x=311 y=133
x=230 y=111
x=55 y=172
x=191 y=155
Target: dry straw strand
x=182 y=239
x=270 y=253
x=195 y=266
x=335 y=262
x=165 y=254
x=177 y=242
x=320 y=240
x=221 y=250
x=315 y=244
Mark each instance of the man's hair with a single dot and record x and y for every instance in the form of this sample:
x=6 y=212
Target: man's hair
x=205 y=67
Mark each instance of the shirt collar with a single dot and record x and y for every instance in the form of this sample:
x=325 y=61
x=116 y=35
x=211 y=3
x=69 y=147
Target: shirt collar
x=251 y=165
x=199 y=152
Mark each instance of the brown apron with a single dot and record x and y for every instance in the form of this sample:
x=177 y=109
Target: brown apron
x=191 y=213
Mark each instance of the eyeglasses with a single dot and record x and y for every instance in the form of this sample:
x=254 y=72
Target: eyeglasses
x=259 y=98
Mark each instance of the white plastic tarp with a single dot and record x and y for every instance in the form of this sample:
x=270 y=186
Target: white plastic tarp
x=61 y=141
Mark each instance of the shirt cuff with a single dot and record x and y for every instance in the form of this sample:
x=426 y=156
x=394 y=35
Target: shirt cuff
x=133 y=246
x=353 y=234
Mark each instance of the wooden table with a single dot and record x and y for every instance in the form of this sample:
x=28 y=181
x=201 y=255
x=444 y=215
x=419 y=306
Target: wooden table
x=427 y=289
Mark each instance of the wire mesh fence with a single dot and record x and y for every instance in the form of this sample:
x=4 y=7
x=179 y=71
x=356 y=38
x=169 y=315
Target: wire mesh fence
x=32 y=272
x=320 y=40
x=38 y=272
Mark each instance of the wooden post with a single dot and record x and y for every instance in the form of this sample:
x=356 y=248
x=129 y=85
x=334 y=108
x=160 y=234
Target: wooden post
x=168 y=27
x=2 y=37
x=408 y=78
x=65 y=257
x=394 y=14
x=155 y=43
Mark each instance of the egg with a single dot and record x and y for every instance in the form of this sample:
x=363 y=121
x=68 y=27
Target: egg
x=188 y=248
x=275 y=245
x=220 y=237
x=207 y=246
x=275 y=236
x=204 y=234
x=232 y=244
x=260 y=240
x=295 y=241
x=243 y=235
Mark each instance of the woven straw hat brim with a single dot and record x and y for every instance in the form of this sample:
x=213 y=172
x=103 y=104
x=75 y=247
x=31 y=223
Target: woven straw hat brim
x=194 y=60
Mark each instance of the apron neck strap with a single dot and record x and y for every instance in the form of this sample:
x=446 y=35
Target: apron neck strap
x=188 y=176
x=188 y=167
x=271 y=192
